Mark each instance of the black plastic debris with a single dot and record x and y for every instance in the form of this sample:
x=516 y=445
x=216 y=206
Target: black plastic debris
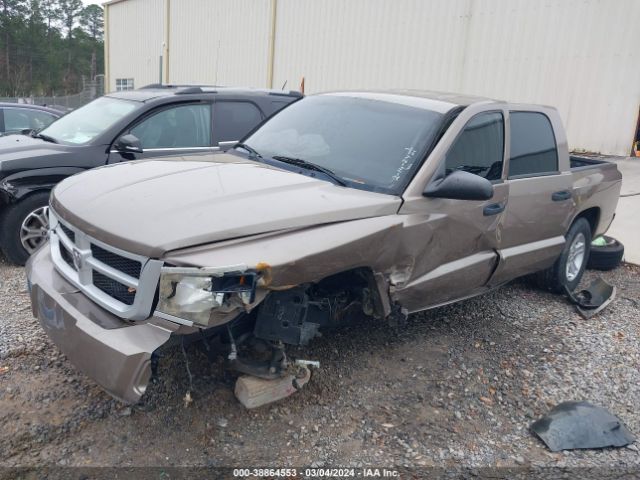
x=594 y=299
x=573 y=425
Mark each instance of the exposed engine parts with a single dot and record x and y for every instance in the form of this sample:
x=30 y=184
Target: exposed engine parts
x=291 y=316
x=295 y=316
x=255 y=342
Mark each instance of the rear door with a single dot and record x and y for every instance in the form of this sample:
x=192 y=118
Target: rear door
x=178 y=129
x=540 y=198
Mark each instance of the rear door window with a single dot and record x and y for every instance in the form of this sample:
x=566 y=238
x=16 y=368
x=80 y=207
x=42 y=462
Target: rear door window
x=233 y=120
x=533 y=145
x=479 y=149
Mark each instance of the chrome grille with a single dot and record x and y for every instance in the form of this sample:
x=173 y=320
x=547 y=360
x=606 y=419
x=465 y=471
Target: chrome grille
x=121 y=282
x=114 y=288
x=66 y=256
x=68 y=232
x=120 y=263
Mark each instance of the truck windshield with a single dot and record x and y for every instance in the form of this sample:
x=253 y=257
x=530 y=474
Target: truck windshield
x=369 y=143
x=81 y=126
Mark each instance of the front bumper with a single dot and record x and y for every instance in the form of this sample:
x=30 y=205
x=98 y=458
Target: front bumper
x=114 y=353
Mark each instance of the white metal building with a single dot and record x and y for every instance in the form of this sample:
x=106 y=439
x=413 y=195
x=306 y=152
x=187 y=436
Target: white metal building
x=581 y=56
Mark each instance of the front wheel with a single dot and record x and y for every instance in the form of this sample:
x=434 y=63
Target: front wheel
x=568 y=268
x=26 y=227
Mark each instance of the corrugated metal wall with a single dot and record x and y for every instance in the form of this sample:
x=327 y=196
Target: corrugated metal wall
x=135 y=34
x=220 y=42
x=581 y=56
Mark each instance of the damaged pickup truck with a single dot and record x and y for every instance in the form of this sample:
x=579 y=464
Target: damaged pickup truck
x=343 y=204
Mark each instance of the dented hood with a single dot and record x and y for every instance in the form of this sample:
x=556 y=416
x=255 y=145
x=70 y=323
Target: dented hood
x=153 y=206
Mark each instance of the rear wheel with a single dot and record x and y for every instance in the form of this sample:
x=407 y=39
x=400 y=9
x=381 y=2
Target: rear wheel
x=568 y=268
x=26 y=227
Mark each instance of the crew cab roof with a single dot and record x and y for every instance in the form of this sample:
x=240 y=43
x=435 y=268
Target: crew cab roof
x=154 y=91
x=438 y=101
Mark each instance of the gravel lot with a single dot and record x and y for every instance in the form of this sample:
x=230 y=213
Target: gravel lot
x=458 y=386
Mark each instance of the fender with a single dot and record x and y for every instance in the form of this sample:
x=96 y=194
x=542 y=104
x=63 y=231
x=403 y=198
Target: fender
x=15 y=187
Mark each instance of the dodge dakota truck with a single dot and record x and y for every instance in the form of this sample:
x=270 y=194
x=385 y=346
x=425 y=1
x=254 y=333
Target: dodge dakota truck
x=371 y=204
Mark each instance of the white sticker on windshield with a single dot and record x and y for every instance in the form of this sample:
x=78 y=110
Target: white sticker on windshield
x=405 y=164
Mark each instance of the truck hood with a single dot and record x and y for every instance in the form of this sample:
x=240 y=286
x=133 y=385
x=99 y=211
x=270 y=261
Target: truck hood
x=150 y=207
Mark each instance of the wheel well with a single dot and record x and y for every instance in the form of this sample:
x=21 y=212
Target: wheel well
x=592 y=215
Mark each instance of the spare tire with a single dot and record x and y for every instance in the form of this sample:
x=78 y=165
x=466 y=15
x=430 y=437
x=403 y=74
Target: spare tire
x=607 y=256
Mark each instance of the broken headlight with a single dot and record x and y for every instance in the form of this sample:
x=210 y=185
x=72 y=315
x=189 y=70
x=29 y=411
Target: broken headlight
x=191 y=294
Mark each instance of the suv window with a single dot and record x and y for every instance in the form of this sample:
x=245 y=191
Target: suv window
x=16 y=119
x=237 y=119
x=533 y=145
x=480 y=147
x=183 y=126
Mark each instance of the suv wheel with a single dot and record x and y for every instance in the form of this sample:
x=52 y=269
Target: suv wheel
x=568 y=268
x=26 y=227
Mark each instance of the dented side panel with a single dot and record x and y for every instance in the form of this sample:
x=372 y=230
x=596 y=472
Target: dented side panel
x=418 y=259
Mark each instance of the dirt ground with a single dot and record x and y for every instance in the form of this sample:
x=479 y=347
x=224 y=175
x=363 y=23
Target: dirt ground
x=458 y=386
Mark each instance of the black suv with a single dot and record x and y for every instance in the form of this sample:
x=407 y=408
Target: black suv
x=150 y=122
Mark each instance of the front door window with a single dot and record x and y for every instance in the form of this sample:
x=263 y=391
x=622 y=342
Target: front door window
x=184 y=126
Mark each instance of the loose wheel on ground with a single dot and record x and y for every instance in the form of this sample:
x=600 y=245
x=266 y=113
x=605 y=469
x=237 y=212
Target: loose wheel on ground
x=606 y=253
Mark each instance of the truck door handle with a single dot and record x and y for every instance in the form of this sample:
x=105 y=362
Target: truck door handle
x=561 y=196
x=493 y=209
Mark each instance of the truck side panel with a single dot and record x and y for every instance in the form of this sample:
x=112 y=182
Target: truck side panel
x=597 y=189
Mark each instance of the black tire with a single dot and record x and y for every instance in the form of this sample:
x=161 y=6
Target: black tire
x=13 y=218
x=556 y=277
x=606 y=257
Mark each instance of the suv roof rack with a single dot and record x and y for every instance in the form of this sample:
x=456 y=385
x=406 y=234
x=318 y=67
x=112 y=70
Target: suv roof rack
x=194 y=89
x=187 y=90
x=154 y=86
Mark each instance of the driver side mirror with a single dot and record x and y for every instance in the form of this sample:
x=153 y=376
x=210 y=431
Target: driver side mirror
x=460 y=185
x=128 y=144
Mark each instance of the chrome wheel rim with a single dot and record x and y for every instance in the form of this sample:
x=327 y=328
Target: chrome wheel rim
x=575 y=258
x=35 y=229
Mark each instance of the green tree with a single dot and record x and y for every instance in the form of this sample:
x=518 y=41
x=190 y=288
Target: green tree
x=92 y=21
x=48 y=46
x=12 y=11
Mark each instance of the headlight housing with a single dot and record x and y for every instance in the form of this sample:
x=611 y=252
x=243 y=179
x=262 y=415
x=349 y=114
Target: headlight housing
x=192 y=294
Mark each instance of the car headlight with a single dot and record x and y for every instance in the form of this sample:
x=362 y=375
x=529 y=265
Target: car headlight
x=192 y=294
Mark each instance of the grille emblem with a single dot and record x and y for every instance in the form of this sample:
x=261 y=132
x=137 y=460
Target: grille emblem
x=77 y=259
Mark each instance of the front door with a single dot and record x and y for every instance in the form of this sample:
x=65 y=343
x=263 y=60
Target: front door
x=175 y=130
x=455 y=242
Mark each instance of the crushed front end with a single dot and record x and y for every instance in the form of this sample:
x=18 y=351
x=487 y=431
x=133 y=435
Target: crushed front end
x=109 y=310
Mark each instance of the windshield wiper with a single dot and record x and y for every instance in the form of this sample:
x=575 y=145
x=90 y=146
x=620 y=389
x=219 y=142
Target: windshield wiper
x=44 y=137
x=299 y=162
x=249 y=149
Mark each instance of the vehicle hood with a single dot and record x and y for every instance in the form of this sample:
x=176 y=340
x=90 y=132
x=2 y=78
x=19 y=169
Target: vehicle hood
x=150 y=207
x=22 y=152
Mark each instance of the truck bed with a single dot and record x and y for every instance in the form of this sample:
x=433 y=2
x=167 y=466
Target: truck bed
x=596 y=185
x=577 y=161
